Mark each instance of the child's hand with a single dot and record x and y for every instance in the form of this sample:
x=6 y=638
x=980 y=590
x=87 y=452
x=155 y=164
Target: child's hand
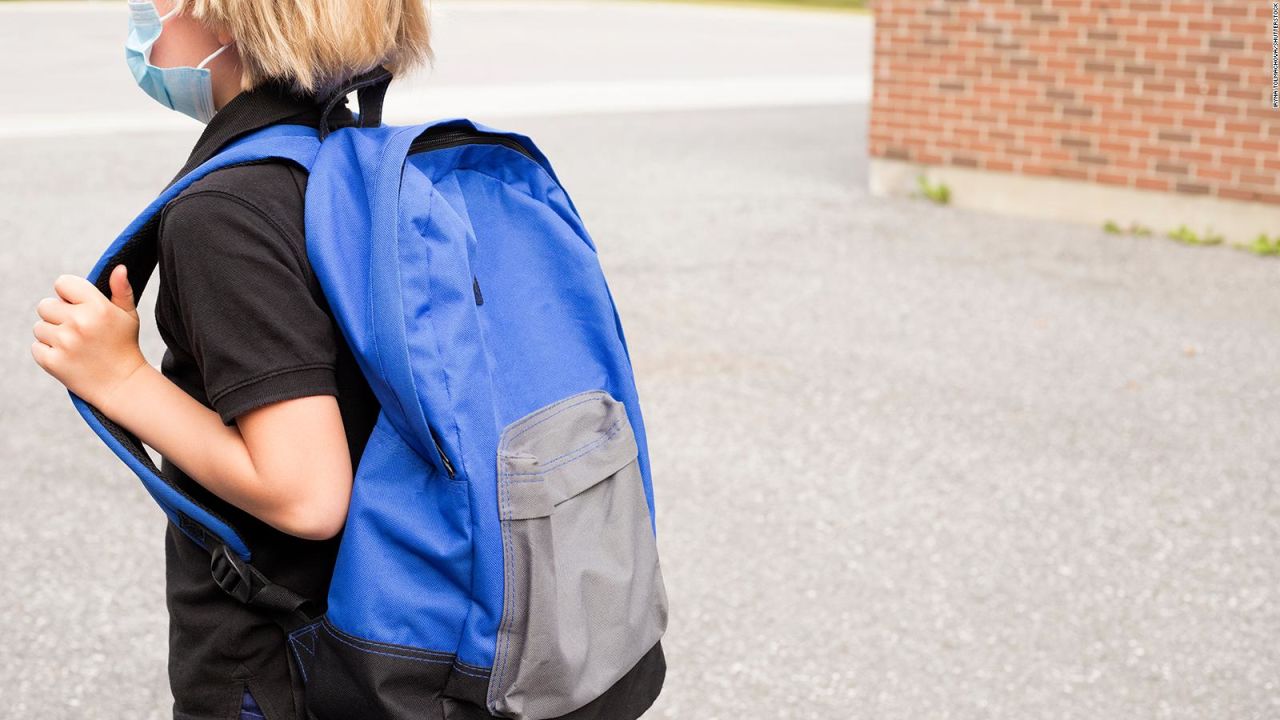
x=87 y=342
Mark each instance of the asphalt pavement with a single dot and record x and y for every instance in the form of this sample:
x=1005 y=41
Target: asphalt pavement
x=910 y=461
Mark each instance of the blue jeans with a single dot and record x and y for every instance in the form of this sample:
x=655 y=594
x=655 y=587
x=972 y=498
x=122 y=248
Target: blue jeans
x=249 y=709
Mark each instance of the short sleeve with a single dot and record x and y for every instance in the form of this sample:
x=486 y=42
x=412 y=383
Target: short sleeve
x=244 y=300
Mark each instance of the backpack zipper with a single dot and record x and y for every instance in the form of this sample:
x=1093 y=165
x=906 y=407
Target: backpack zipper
x=444 y=459
x=449 y=138
x=454 y=137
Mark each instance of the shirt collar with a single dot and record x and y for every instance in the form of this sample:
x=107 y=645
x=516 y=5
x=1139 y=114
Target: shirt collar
x=267 y=104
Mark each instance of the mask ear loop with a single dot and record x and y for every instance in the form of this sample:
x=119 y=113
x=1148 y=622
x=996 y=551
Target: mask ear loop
x=169 y=14
x=215 y=54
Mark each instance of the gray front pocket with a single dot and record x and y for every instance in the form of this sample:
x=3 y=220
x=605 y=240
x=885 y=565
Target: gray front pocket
x=584 y=598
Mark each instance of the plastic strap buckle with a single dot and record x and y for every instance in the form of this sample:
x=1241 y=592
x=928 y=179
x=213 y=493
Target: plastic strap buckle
x=247 y=584
x=232 y=574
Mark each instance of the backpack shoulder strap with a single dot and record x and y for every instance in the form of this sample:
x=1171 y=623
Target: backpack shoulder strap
x=136 y=248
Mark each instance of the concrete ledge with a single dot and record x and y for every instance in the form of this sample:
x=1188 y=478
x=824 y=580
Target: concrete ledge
x=1077 y=201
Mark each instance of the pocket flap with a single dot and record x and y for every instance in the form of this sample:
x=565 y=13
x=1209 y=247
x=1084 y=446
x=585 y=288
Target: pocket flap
x=561 y=450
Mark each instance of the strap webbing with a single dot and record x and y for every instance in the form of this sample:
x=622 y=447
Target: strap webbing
x=248 y=585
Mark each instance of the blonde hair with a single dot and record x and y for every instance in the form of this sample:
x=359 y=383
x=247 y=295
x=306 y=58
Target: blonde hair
x=316 y=45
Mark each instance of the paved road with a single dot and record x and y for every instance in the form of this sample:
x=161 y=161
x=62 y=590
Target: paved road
x=910 y=461
x=494 y=58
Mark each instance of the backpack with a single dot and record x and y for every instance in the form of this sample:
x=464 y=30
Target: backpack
x=499 y=557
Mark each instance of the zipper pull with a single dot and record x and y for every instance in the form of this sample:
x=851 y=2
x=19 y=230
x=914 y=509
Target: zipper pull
x=444 y=459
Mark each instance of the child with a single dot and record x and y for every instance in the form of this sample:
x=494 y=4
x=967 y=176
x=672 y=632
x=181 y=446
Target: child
x=258 y=409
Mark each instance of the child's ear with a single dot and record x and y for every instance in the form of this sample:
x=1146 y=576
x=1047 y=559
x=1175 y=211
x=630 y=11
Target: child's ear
x=223 y=33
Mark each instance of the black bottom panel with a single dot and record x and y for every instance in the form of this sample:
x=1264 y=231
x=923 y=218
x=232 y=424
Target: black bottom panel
x=348 y=678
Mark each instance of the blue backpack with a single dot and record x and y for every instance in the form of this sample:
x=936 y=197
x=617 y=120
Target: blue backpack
x=499 y=557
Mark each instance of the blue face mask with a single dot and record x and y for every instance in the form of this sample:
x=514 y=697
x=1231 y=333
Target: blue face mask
x=189 y=90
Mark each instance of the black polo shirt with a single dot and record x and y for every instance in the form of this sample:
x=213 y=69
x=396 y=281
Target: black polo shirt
x=246 y=324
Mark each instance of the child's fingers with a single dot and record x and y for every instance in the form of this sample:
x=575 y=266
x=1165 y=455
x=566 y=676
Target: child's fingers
x=121 y=290
x=42 y=353
x=46 y=333
x=54 y=310
x=75 y=289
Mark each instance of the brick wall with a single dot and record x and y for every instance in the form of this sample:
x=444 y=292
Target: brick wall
x=1157 y=94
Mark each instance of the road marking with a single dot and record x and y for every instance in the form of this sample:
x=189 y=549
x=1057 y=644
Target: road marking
x=414 y=103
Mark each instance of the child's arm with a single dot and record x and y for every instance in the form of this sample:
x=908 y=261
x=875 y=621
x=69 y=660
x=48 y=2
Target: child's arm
x=286 y=463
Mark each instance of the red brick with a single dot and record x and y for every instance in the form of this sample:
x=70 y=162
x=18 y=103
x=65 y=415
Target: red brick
x=1253 y=178
x=1172 y=167
x=1179 y=136
x=1271 y=163
x=1191 y=188
x=1220 y=176
x=1232 y=193
x=1248 y=95
x=1206 y=26
x=1132 y=164
x=1076 y=141
x=1229 y=110
x=1070 y=172
x=1139 y=132
x=1169 y=95
x=1246 y=127
x=1185 y=41
x=1158 y=119
x=1127 y=86
x=1200 y=123
x=1188 y=9
x=1161 y=22
x=1266 y=146
x=1238 y=160
x=1160 y=57
x=1185 y=106
x=1110 y=116
x=1029 y=168
x=1112 y=178
x=1207 y=157
x=1145 y=39
x=1202 y=58
x=1180 y=73
x=1154 y=152
x=1256 y=63
x=1218 y=79
x=1228 y=10
x=1038 y=138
